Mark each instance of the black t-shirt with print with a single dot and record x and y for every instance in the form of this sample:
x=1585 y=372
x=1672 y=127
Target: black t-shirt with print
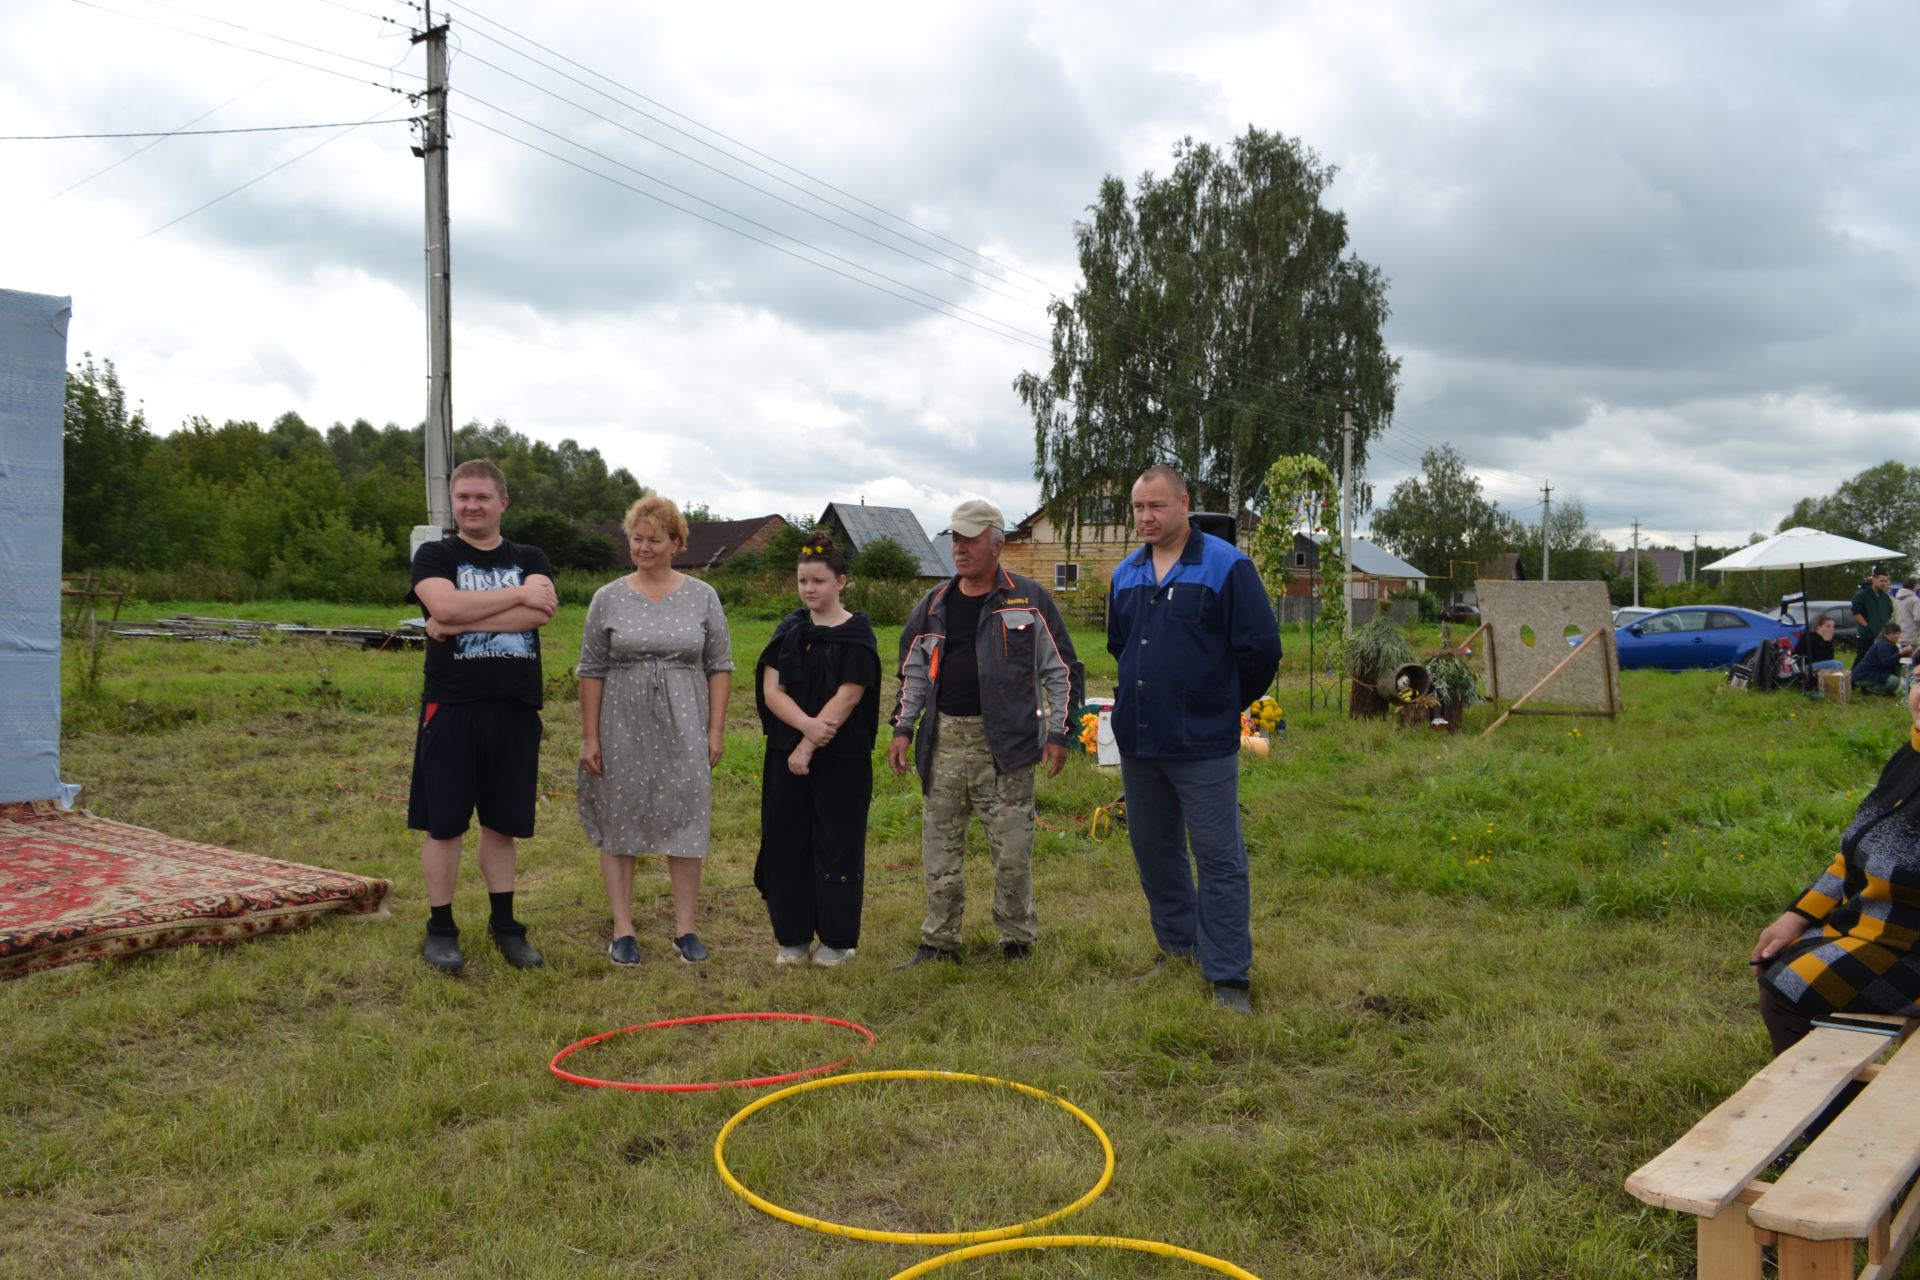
x=481 y=665
x=959 y=664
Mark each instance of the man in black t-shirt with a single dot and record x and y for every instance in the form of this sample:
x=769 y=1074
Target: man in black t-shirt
x=477 y=745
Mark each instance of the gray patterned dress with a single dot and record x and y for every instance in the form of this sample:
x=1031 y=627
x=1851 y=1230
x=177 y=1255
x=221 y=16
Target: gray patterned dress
x=654 y=793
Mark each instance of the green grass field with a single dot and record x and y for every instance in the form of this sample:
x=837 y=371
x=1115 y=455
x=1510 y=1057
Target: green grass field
x=1492 y=976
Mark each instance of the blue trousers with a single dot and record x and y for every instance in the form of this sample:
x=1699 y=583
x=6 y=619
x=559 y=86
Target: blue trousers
x=1172 y=804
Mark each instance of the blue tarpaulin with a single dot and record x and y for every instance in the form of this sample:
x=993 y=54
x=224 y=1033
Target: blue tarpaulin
x=33 y=394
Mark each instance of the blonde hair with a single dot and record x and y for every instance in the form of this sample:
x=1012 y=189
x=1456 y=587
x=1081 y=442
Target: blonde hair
x=480 y=468
x=659 y=512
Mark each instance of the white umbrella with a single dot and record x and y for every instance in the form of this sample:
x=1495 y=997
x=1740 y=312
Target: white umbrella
x=1807 y=548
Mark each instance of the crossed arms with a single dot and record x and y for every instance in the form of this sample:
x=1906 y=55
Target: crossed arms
x=452 y=612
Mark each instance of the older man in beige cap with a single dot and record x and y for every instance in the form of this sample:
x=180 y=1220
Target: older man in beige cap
x=984 y=675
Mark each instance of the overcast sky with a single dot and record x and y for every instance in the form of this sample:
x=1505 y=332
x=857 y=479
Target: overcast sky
x=1661 y=255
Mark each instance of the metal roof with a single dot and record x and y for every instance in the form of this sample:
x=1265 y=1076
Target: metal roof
x=1376 y=563
x=865 y=525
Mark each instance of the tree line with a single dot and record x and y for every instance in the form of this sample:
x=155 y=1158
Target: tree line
x=299 y=511
x=1441 y=518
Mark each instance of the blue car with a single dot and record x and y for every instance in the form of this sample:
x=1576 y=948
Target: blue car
x=1696 y=636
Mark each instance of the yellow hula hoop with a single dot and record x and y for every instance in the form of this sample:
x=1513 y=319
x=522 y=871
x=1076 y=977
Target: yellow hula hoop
x=910 y=1237
x=1221 y=1265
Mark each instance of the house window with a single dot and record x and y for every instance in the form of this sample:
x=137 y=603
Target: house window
x=1299 y=559
x=1066 y=577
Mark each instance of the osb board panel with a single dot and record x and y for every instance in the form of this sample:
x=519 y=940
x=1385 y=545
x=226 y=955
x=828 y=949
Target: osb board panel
x=1590 y=681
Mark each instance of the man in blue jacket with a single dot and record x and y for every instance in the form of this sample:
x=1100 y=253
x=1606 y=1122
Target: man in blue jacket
x=1189 y=620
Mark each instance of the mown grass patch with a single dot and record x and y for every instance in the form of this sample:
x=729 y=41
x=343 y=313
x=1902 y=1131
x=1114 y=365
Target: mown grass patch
x=1492 y=977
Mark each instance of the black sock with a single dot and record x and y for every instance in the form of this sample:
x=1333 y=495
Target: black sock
x=440 y=921
x=502 y=920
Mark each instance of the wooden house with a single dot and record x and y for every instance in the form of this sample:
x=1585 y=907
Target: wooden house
x=1036 y=549
x=710 y=543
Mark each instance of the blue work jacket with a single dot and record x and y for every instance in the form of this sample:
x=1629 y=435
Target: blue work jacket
x=1195 y=649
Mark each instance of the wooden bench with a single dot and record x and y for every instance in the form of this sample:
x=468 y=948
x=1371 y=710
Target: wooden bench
x=1840 y=1190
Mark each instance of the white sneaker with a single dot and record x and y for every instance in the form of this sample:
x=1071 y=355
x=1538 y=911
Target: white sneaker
x=787 y=957
x=825 y=957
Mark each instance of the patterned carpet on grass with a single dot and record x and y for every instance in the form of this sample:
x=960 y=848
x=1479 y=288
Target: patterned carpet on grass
x=76 y=887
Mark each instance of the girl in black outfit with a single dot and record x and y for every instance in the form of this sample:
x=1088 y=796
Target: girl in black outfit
x=817 y=686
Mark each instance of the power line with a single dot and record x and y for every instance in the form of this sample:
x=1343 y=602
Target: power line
x=743 y=146
x=1004 y=331
x=245 y=48
x=268 y=35
x=1036 y=338
x=191 y=133
x=743 y=234
x=269 y=173
x=138 y=151
x=731 y=177
x=811 y=213
x=377 y=17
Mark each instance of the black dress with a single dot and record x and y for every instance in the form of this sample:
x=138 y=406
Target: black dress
x=813 y=827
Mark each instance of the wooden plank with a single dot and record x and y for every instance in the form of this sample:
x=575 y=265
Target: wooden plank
x=1727 y=1247
x=1706 y=1169
x=1815 y=1259
x=1878 y=1238
x=1898 y=1239
x=1853 y=1171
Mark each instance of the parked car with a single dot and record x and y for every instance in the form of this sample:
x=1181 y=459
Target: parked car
x=1697 y=636
x=1628 y=613
x=1467 y=613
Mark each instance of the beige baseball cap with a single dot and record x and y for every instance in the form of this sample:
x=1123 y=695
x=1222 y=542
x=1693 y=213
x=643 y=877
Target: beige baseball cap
x=974 y=517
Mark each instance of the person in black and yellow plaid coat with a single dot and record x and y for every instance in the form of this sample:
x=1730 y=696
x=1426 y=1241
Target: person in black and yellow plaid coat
x=1848 y=945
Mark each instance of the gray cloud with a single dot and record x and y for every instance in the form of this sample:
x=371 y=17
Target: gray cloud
x=1648 y=251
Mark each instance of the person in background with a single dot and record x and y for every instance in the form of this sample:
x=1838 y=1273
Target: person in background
x=1872 y=607
x=1190 y=623
x=1906 y=612
x=1846 y=945
x=656 y=668
x=985 y=675
x=1816 y=647
x=1878 y=670
x=817 y=687
x=477 y=747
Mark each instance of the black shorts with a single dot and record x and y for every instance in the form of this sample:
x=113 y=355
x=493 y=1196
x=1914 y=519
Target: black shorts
x=475 y=755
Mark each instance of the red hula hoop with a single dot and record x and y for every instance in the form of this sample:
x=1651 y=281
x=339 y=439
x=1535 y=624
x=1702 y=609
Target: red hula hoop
x=593 y=1082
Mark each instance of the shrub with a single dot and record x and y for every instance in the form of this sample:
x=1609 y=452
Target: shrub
x=884 y=560
x=887 y=602
x=328 y=559
x=1426 y=601
x=567 y=545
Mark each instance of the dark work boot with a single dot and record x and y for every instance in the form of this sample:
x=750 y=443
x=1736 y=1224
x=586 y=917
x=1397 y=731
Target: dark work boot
x=929 y=955
x=515 y=948
x=442 y=951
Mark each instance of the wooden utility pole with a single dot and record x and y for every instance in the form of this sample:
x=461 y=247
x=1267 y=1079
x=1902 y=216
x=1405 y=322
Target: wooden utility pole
x=1346 y=505
x=1546 y=529
x=1636 y=564
x=433 y=150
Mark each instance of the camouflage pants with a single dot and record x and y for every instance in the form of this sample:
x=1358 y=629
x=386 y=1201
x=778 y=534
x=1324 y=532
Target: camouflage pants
x=964 y=783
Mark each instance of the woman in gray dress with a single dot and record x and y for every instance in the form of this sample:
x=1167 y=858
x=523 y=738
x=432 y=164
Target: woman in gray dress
x=656 y=667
